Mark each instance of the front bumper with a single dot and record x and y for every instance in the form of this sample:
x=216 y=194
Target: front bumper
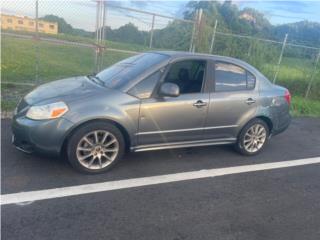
x=45 y=136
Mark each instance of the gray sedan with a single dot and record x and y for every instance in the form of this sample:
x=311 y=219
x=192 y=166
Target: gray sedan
x=151 y=101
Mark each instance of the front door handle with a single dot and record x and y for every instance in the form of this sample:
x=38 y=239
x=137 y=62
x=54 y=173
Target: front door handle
x=200 y=104
x=250 y=101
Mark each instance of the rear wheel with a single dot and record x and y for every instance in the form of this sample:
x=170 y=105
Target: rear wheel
x=95 y=147
x=253 y=137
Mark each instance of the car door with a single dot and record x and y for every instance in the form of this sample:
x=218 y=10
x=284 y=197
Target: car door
x=233 y=99
x=176 y=119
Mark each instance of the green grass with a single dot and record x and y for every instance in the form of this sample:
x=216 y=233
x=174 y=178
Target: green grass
x=18 y=65
x=11 y=94
x=58 y=61
x=79 y=39
x=305 y=107
x=8 y=105
x=295 y=75
x=55 y=61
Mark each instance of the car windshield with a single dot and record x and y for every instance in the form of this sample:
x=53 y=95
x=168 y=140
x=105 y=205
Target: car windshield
x=120 y=73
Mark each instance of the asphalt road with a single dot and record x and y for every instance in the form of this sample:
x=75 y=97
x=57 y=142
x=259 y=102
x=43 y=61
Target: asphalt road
x=271 y=204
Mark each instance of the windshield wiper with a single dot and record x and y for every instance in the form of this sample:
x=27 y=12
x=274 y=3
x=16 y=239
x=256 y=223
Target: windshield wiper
x=96 y=79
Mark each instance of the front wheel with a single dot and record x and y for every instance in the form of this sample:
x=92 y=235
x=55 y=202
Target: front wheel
x=95 y=147
x=253 y=137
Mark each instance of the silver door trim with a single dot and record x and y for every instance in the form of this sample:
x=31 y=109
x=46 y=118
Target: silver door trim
x=198 y=143
x=185 y=130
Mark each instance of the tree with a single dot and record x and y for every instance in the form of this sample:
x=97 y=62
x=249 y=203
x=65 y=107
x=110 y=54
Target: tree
x=63 y=26
x=176 y=35
x=66 y=28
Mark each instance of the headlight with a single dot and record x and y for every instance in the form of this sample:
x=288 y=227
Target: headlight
x=48 y=111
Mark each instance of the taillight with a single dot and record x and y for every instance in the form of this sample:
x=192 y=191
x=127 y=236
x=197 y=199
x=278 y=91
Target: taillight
x=287 y=96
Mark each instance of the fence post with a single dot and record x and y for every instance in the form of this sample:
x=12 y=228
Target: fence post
x=213 y=36
x=100 y=21
x=250 y=49
x=151 y=32
x=280 y=58
x=103 y=20
x=97 y=37
x=36 y=43
x=313 y=75
x=193 y=31
x=97 y=20
x=199 y=18
x=102 y=34
x=37 y=16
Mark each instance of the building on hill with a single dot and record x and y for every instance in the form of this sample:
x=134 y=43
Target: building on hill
x=248 y=17
x=26 y=24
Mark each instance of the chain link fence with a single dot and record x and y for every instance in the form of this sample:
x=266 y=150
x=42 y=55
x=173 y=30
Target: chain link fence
x=95 y=34
x=283 y=62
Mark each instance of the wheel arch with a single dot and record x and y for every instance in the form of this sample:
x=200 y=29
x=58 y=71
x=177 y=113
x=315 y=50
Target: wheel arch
x=122 y=129
x=264 y=118
x=268 y=121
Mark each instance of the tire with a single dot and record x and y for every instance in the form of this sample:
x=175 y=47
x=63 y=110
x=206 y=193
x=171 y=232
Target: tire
x=101 y=142
x=243 y=143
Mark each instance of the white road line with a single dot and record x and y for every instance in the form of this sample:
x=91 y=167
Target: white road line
x=146 y=181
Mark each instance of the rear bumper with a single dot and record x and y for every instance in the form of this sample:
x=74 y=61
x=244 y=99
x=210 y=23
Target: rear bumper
x=44 y=136
x=282 y=126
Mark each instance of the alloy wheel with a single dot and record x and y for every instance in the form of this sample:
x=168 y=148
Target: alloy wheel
x=97 y=149
x=254 y=138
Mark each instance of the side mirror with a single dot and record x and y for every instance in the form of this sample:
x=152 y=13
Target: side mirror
x=169 y=90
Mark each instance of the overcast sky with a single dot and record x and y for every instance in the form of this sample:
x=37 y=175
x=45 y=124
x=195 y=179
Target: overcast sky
x=81 y=13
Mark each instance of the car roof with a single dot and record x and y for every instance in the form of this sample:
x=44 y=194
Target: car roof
x=181 y=54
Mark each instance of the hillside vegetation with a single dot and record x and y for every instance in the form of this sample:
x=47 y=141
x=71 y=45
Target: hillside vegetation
x=229 y=18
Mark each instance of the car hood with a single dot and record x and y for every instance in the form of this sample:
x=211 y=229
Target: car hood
x=64 y=89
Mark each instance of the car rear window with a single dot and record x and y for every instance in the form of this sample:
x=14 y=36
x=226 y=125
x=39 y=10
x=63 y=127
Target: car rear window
x=128 y=69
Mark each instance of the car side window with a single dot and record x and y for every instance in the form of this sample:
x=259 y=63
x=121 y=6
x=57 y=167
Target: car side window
x=230 y=77
x=144 y=88
x=251 y=81
x=188 y=75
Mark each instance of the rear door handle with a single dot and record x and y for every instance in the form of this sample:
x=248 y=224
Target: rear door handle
x=250 y=101
x=200 y=104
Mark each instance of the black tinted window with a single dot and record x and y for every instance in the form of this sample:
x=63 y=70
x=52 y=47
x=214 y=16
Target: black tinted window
x=122 y=72
x=145 y=87
x=229 y=77
x=188 y=75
